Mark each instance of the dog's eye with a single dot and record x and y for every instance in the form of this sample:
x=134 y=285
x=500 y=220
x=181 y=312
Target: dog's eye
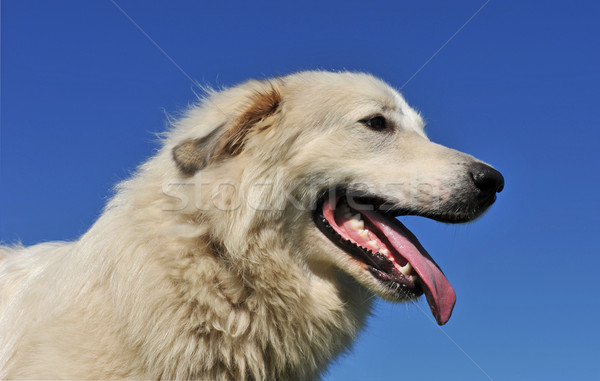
x=377 y=123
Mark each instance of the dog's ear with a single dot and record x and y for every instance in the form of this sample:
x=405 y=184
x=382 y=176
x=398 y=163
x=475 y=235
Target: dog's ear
x=228 y=139
x=256 y=118
x=194 y=154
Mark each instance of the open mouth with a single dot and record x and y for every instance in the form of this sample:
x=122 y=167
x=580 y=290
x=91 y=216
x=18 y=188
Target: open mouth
x=386 y=249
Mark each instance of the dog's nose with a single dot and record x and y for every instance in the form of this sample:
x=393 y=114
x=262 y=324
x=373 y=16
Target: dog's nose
x=487 y=179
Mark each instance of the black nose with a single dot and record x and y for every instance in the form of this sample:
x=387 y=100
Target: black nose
x=487 y=179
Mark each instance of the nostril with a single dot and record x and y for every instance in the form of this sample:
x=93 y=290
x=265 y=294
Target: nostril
x=487 y=179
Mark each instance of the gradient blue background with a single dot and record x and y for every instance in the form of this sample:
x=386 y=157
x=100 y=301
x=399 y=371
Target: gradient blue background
x=83 y=91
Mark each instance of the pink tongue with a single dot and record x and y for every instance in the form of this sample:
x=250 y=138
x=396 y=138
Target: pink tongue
x=439 y=292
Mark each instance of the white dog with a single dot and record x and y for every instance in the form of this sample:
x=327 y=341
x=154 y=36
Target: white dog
x=250 y=246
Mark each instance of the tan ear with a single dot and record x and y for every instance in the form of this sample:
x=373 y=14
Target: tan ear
x=255 y=118
x=194 y=154
x=228 y=140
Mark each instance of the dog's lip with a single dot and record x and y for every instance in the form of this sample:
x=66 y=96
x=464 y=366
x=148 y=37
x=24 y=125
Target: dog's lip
x=394 y=211
x=403 y=247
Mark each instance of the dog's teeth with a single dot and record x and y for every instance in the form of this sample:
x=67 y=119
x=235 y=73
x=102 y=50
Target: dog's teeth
x=373 y=244
x=385 y=252
x=406 y=269
x=364 y=233
x=357 y=224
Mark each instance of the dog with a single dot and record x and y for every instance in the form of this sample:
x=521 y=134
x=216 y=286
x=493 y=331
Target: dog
x=251 y=245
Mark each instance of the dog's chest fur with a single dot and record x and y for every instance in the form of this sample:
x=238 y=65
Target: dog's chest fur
x=271 y=323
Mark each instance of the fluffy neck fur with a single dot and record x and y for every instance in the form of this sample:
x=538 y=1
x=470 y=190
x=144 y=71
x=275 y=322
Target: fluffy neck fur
x=272 y=316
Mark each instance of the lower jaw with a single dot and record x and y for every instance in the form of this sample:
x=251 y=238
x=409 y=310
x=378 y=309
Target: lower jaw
x=376 y=264
x=394 y=290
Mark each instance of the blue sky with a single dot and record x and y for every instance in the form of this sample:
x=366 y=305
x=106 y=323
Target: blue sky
x=83 y=91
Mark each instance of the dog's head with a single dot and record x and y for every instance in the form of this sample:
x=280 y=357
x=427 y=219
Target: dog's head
x=331 y=159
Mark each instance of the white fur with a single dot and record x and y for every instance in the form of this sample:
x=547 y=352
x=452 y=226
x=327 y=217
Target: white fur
x=222 y=274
